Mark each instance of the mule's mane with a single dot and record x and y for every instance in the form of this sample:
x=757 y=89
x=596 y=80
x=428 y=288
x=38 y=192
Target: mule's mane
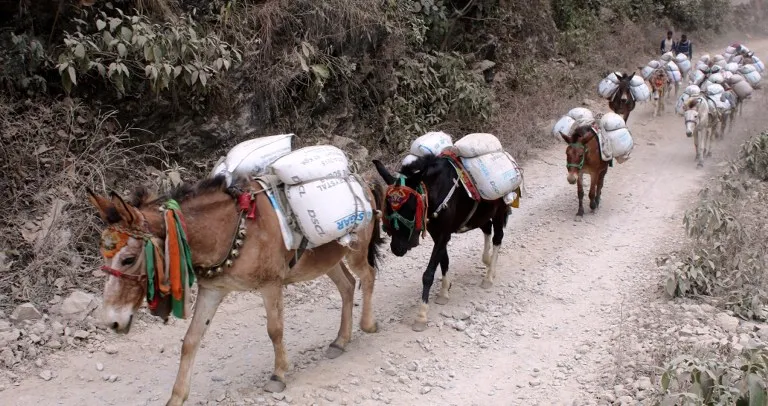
x=581 y=132
x=142 y=197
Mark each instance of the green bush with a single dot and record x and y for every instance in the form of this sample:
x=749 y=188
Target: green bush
x=132 y=54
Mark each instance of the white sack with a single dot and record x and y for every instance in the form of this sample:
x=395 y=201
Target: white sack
x=716 y=78
x=476 y=144
x=408 y=159
x=747 y=69
x=735 y=79
x=641 y=93
x=685 y=66
x=431 y=143
x=753 y=78
x=669 y=56
x=759 y=65
x=253 y=157
x=698 y=77
x=715 y=89
x=674 y=76
x=647 y=72
x=329 y=209
x=565 y=125
x=732 y=67
x=654 y=64
x=607 y=88
x=583 y=116
x=612 y=121
x=495 y=174
x=636 y=81
x=311 y=163
x=621 y=143
x=742 y=89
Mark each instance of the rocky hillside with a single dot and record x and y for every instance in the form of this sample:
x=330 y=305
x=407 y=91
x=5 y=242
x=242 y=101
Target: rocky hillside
x=109 y=94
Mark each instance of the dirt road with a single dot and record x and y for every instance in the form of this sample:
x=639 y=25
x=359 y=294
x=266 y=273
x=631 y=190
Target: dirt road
x=547 y=333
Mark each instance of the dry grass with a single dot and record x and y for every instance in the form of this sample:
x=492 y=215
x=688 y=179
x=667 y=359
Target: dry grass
x=49 y=154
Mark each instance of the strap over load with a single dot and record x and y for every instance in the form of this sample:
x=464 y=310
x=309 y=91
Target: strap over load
x=608 y=86
x=327 y=201
x=494 y=173
x=311 y=163
x=614 y=138
x=576 y=117
x=253 y=157
x=683 y=62
x=639 y=89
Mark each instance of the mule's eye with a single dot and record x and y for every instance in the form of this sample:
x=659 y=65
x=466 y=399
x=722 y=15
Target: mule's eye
x=128 y=261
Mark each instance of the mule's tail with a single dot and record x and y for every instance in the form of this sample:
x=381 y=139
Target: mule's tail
x=377 y=189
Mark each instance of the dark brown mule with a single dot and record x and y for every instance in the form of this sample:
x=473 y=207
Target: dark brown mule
x=583 y=155
x=660 y=85
x=211 y=214
x=622 y=101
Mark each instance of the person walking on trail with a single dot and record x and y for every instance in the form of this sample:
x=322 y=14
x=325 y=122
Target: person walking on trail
x=685 y=47
x=668 y=44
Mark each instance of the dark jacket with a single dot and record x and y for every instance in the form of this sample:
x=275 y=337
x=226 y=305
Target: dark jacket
x=663 y=42
x=685 y=48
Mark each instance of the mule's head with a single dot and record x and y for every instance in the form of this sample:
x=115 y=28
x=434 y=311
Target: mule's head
x=576 y=151
x=624 y=86
x=691 y=116
x=404 y=214
x=123 y=249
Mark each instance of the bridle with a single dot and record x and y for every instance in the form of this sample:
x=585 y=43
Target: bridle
x=397 y=195
x=127 y=232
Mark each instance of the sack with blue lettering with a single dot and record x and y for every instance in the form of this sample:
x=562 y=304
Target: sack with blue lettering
x=494 y=175
x=329 y=209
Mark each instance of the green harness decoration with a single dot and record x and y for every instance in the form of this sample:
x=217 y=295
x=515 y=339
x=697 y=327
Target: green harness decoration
x=580 y=165
x=397 y=195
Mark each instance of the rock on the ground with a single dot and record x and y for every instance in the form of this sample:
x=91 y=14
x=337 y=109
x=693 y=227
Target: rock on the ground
x=26 y=311
x=46 y=375
x=727 y=322
x=78 y=305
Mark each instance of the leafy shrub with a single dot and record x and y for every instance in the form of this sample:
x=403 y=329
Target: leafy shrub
x=20 y=59
x=692 y=381
x=124 y=48
x=430 y=88
x=728 y=258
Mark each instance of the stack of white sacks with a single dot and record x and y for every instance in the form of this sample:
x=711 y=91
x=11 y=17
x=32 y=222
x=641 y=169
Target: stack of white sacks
x=612 y=132
x=610 y=84
x=431 y=143
x=326 y=201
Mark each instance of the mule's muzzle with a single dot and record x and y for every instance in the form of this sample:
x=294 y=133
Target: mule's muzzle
x=572 y=178
x=689 y=133
x=399 y=249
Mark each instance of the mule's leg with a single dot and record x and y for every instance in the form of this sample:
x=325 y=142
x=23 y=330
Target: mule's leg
x=428 y=278
x=208 y=300
x=346 y=285
x=593 y=180
x=272 y=295
x=498 y=236
x=580 y=193
x=486 y=228
x=367 y=275
x=600 y=180
x=445 y=283
x=697 y=146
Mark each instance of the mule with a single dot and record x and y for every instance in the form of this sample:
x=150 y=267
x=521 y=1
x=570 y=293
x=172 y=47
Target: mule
x=426 y=196
x=583 y=155
x=660 y=85
x=622 y=101
x=701 y=123
x=255 y=258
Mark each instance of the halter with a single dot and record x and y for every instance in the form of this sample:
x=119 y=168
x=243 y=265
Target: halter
x=580 y=165
x=397 y=195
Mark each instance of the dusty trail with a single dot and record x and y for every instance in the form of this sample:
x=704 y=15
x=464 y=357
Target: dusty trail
x=546 y=334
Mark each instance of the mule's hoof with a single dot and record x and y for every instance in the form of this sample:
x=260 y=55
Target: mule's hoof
x=579 y=218
x=419 y=326
x=370 y=329
x=593 y=205
x=486 y=284
x=174 y=402
x=274 y=385
x=486 y=260
x=333 y=351
x=441 y=300
x=699 y=165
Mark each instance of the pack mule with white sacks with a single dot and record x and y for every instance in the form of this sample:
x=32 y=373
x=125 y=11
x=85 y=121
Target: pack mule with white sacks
x=444 y=188
x=664 y=77
x=266 y=217
x=623 y=91
x=592 y=145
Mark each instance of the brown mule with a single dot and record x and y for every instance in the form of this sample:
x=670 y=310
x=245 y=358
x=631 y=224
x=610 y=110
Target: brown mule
x=660 y=85
x=255 y=258
x=583 y=155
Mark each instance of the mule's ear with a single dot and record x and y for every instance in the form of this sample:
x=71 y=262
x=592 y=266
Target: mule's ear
x=101 y=203
x=122 y=208
x=383 y=172
x=566 y=138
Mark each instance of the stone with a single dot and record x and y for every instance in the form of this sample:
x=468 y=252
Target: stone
x=26 y=311
x=55 y=344
x=6 y=355
x=46 y=375
x=78 y=305
x=727 y=322
x=81 y=334
x=99 y=366
x=643 y=383
x=5 y=326
x=110 y=349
